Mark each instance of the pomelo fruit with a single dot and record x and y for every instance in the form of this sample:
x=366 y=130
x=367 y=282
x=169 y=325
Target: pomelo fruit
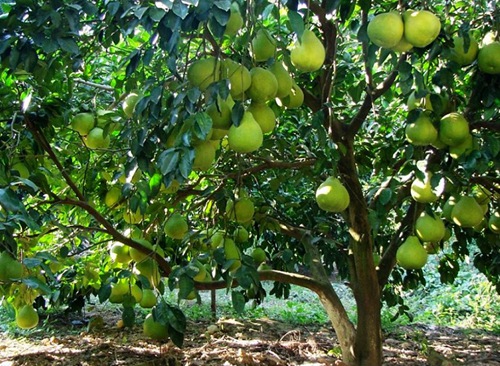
x=411 y=254
x=386 y=29
x=332 y=196
x=309 y=54
x=421 y=27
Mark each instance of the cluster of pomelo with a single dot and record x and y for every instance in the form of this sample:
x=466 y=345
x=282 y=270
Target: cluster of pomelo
x=265 y=83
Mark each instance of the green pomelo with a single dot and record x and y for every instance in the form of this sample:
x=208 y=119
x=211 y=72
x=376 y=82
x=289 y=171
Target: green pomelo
x=386 y=29
x=83 y=123
x=467 y=212
x=295 y=98
x=421 y=132
x=429 y=228
x=309 y=54
x=27 y=317
x=264 y=115
x=120 y=253
x=421 y=27
x=264 y=85
x=285 y=81
x=453 y=129
x=411 y=254
x=247 y=137
x=204 y=156
x=148 y=299
x=96 y=139
x=263 y=46
x=112 y=196
x=129 y=103
x=154 y=330
x=176 y=226
x=239 y=78
x=488 y=58
x=202 y=73
x=332 y=196
x=461 y=56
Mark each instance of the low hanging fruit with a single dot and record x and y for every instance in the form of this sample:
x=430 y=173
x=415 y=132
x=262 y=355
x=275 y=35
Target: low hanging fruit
x=176 y=226
x=411 y=254
x=453 y=129
x=247 y=137
x=154 y=330
x=421 y=132
x=27 y=317
x=429 y=228
x=332 y=196
x=488 y=58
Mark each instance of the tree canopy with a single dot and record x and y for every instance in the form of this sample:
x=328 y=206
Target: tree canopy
x=181 y=144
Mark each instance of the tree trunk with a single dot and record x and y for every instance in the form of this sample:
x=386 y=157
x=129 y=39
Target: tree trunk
x=364 y=278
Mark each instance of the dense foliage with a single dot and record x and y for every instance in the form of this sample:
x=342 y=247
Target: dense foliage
x=68 y=198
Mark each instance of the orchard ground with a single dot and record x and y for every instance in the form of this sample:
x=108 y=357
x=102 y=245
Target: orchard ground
x=456 y=323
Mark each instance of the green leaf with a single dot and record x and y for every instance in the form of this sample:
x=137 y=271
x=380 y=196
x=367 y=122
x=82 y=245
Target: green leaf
x=35 y=283
x=168 y=161
x=10 y=201
x=296 y=23
x=238 y=301
x=128 y=316
x=202 y=125
x=68 y=45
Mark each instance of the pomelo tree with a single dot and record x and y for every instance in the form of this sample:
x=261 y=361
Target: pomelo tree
x=297 y=132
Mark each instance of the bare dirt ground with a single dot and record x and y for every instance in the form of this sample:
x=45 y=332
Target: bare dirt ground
x=236 y=342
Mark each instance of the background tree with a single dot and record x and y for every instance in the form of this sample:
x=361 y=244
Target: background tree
x=116 y=170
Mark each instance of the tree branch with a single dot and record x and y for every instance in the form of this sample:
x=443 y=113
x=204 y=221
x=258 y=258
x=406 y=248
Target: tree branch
x=116 y=235
x=370 y=97
x=42 y=141
x=94 y=85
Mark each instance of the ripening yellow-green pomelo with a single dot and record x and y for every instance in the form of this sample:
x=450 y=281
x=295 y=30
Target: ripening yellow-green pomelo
x=242 y=211
x=264 y=116
x=232 y=252
x=458 y=53
x=96 y=139
x=429 y=228
x=421 y=27
x=411 y=254
x=295 y=98
x=421 y=132
x=453 y=129
x=112 y=196
x=83 y=123
x=131 y=217
x=402 y=46
x=263 y=45
x=235 y=21
x=386 y=29
x=285 y=80
x=240 y=234
x=138 y=255
x=464 y=148
x=494 y=222
x=422 y=190
x=10 y=268
x=154 y=330
x=176 y=226
x=239 y=78
x=467 y=212
x=120 y=253
x=27 y=317
x=309 y=54
x=148 y=299
x=220 y=112
x=21 y=169
x=488 y=58
x=332 y=196
x=264 y=85
x=247 y=137
x=204 y=156
x=203 y=72
x=129 y=103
